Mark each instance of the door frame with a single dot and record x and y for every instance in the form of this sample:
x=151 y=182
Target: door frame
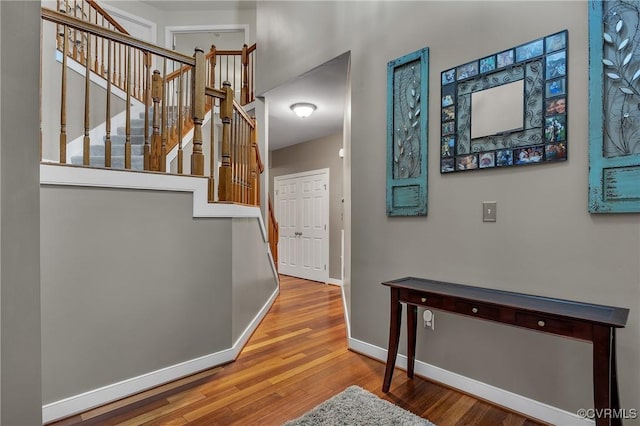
x=171 y=31
x=325 y=207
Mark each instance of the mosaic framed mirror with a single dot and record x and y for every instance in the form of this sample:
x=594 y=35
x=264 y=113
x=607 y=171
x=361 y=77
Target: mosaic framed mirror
x=506 y=109
x=407 y=106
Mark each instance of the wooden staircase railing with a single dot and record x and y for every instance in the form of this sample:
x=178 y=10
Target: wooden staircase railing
x=235 y=66
x=159 y=104
x=173 y=103
x=94 y=52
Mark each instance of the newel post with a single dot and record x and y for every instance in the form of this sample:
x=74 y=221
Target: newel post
x=213 y=62
x=156 y=139
x=198 y=85
x=244 y=93
x=226 y=114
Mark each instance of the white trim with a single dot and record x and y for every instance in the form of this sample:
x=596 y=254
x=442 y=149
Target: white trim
x=346 y=313
x=302 y=174
x=51 y=174
x=106 y=394
x=327 y=211
x=273 y=266
x=504 y=398
x=342 y=255
x=334 y=281
x=253 y=325
x=169 y=32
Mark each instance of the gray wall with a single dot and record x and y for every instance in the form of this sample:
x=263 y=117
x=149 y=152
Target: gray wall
x=313 y=155
x=20 y=385
x=131 y=283
x=544 y=242
x=253 y=278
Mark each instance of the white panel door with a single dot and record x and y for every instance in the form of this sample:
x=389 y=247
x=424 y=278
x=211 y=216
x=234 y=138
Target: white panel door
x=287 y=217
x=303 y=215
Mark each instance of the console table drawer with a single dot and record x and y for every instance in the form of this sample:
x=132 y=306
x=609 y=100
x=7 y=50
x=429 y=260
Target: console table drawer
x=568 y=328
x=418 y=298
x=479 y=310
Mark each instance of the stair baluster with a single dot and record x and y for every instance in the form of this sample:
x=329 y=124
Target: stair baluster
x=102 y=70
x=244 y=93
x=107 y=139
x=86 y=142
x=63 y=100
x=156 y=140
x=179 y=134
x=212 y=62
x=212 y=148
x=147 y=101
x=254 y=170
x=127 y=143
x=165 y=124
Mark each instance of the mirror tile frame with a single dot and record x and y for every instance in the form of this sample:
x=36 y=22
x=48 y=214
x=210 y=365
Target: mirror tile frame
x=542 y=64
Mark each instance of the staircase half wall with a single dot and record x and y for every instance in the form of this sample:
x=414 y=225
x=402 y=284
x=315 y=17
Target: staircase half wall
x=143 y=282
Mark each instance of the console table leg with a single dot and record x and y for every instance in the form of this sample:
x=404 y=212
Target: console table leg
x=394 y=338
x=605 y=385
x=412 y=321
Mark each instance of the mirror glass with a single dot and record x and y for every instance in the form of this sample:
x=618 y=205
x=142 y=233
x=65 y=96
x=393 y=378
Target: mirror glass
x=497 y=110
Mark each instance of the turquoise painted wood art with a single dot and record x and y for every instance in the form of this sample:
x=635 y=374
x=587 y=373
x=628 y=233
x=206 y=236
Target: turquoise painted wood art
x=407 y=134
x=614 y=107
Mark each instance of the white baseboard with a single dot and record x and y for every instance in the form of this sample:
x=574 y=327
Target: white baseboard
x=334 y=281
x=347 y=321
x=244 y=337
x=104 y=395
x=504 y=398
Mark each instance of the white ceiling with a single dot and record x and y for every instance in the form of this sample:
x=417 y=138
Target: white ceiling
x=325 y=87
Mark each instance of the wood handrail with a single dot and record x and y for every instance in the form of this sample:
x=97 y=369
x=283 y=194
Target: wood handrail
x=107 y=16
x=214 y=93
x=243 y=113
x=62 y=19
x=176 y=73
x=274 y=233
x=230 y=52
x=259 y=160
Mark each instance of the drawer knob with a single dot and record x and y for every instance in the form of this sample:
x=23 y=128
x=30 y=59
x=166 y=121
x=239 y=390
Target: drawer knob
x=542 y=323
x=424 y=299
x=474 y=310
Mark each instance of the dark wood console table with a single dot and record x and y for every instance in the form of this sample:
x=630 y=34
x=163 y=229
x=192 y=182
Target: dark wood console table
x=583 y=321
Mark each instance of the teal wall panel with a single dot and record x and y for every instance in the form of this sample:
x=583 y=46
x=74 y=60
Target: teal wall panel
x=614 y=118
x=407 y=134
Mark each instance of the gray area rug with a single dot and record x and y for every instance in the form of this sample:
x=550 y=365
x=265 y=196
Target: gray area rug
x=356 y=406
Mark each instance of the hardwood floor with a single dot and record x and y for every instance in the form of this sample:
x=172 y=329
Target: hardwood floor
x=296 y=359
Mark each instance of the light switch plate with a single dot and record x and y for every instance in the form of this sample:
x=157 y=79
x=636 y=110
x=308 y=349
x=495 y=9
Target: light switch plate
x=489 y=211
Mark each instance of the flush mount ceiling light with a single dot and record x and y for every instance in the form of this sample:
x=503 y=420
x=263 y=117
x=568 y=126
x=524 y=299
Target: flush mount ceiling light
x=303 y=110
